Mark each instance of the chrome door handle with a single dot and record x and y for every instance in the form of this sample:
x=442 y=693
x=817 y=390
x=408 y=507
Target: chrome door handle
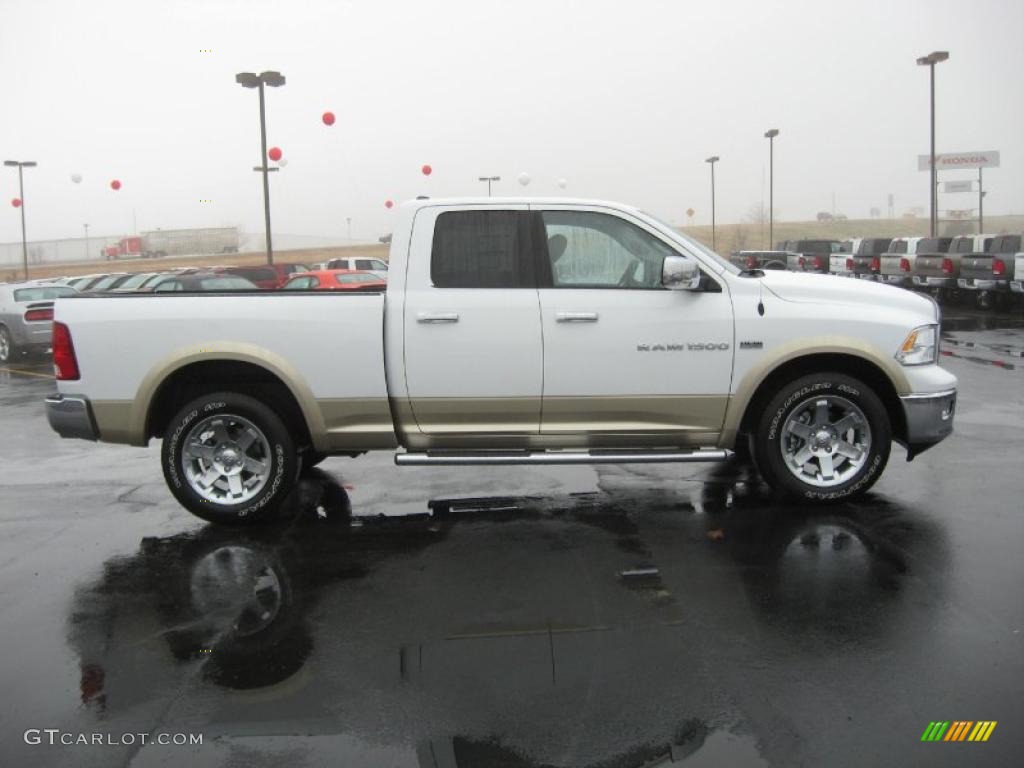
x=576 y=317
x=437 y=317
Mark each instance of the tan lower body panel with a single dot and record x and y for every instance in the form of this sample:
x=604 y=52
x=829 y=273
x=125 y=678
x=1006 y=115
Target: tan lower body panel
x=362 y=424
x=568 y=422
x=114 y=421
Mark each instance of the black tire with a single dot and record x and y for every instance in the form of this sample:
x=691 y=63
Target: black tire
x=792 y=400
x=312 y=459
x=8 y=349
x=275 y=451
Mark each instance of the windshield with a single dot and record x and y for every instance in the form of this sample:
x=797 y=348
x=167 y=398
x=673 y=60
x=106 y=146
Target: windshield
x=44 y=293
x=136 y=280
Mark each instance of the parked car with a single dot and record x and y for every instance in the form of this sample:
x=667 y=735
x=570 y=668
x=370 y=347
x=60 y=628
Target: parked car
x=866 y=262
x=335 y=280
x=136 y=282
x=939 y=271
x=810 y=255
x=992 y=269
x=268 y=276
x=616 y=340
x=202 y=281
x=82 y=283
x=1017 y=281
x=109 y=281
x=837 y=262
x=897 y=264
x=26 y=317
x=759 y=259
x=376 y=266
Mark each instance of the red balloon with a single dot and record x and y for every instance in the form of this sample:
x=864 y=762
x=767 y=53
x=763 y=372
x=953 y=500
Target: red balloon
x=328 y=118
x=274 y=153
x=388 y=203
x=17 y=203
x=427 y=170
x=115 y=185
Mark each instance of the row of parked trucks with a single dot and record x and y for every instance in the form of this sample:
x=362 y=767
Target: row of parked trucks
x=983 y=264
x=175 y=242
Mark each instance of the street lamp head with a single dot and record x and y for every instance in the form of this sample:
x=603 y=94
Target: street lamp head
x=712 y=159
x=30 y=163
x=772 y=133
x=933 y=58
x=247 y=79
x=13 y=163
x=272 y=78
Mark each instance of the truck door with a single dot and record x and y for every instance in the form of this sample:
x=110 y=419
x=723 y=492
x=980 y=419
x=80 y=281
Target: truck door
x=473 y=347
x=627 y=361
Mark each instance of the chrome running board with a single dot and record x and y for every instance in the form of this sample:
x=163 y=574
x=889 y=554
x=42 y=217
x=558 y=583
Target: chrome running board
x=477 y=458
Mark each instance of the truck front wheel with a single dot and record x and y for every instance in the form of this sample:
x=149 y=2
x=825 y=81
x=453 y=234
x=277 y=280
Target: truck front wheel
x=228 y=458
x=823 y=437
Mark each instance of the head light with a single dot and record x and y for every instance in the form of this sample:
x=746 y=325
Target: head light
x=921 y=346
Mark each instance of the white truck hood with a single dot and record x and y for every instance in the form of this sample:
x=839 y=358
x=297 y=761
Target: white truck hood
x=832 y=289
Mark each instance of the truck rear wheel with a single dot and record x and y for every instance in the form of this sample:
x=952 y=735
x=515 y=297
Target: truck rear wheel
x=823 y=437
x=228 y=458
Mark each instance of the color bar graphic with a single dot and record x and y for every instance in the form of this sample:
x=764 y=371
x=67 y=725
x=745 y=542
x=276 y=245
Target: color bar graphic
x=958 y=730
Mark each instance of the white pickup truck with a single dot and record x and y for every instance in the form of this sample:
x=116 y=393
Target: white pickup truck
x=511 y=332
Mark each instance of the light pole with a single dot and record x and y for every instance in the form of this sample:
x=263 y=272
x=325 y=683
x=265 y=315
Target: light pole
x=86 y=241
x=489 y=180
x=930 y=61
x=274 y=80
x=348 y=226
x=711 y=161
x=770 y=135
x=19 y=164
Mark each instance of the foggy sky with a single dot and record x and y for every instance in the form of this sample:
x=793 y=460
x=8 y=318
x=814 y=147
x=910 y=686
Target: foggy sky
x=622 y=99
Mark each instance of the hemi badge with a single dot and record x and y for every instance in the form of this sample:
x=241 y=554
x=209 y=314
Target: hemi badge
x=751 y=345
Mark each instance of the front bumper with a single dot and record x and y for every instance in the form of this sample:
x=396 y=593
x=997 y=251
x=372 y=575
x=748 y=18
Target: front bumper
x=982 y=284
x=934 y=282
x=71 y=417
x=929 y=419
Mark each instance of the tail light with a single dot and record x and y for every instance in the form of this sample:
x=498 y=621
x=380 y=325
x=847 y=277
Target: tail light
x=904 y=265
x=38 y=315
x=849 y=265
x=947 y=266
x=818 y=263
x=876 y=264
x=751 y=262
x=998 y=267
x=65 y=365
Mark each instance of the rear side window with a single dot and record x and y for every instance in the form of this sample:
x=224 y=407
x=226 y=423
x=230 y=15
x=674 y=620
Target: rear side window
x=480 y=249
x=898 y=246
x=1007 y=244
x=225 y=284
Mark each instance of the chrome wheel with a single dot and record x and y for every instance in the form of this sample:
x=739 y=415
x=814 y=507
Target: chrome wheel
x=236 y=587
x=226 y=459
x=5 y=345
x=825 y=441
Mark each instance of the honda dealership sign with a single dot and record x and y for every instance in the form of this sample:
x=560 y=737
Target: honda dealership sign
x=952 y=161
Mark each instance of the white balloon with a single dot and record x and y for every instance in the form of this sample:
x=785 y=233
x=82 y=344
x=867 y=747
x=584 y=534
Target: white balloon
x=524 y=178
x=76 y=177
x=562 y=183
x=282 y=162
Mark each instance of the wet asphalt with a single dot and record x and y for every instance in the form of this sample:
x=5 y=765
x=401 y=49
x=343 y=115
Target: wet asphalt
x=611 y=617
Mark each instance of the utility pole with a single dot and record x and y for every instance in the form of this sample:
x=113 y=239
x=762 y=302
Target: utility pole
x=930 y=61
x=770 y=135
x=711 y=161
x=21 y=164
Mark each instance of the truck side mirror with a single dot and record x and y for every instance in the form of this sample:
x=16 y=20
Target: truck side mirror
x=679 y=274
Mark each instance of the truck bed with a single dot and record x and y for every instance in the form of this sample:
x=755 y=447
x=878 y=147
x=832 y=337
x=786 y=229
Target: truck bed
x=330 y=344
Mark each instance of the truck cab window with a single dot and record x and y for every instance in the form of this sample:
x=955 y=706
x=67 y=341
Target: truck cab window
x=595 y=250
x=480 y=249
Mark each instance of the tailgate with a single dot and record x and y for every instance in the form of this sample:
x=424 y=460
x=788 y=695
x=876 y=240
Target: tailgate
x=931 y=265
x=976 y=265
